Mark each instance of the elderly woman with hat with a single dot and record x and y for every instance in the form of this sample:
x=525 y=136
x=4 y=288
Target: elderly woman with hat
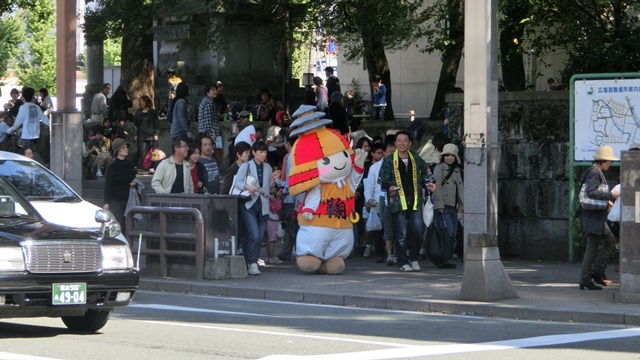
x=600 y=240
x=448 y=199
x=119 y=180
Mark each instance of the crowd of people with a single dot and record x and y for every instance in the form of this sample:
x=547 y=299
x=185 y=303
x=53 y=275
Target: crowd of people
x=391 y=198
x=20 y=123
x=395 y=182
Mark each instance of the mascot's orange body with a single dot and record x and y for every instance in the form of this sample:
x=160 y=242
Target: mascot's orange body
x=323 y=167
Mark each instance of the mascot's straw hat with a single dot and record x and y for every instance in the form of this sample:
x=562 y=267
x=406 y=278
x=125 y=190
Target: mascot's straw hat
x=314 y=143
x=303 y=110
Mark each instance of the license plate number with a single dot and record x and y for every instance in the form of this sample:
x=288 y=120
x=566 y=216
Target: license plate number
x=69 y=294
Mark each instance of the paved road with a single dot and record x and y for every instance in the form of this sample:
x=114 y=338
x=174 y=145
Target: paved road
x=172 y=326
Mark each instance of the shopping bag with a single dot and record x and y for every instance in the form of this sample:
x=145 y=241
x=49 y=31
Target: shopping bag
x=438 y=246
x=373 y=221
x=427 y=212
x=614 y=213
x=146 y=164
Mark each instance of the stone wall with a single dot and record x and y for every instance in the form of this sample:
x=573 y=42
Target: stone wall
x=533 y=187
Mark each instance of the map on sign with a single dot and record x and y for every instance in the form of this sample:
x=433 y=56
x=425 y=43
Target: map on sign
x=606 y=113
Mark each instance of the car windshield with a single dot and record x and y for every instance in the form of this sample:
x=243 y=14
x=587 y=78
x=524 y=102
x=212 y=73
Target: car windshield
x=12 y=204
x=35 y=182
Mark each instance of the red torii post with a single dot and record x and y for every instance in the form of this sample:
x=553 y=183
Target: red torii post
x=66 y=55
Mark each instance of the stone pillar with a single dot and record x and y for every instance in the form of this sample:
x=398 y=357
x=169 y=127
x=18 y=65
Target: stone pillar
x=630 y=228
x=485 y=278
x=95 y=76
x=66 y=147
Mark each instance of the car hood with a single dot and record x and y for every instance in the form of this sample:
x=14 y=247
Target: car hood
x=32 y=229
x=70 y=214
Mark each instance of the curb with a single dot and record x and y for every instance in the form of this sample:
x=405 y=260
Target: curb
x=509 y=311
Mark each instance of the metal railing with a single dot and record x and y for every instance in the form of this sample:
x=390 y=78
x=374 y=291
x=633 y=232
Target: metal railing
x=164 y=236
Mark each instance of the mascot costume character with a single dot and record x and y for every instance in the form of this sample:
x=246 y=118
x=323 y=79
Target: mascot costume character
x=325 y=168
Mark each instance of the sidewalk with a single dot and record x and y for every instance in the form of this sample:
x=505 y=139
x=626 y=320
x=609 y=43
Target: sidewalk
x=547 y=291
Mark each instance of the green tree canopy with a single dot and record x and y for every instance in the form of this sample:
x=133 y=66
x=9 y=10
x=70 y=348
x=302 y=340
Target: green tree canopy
x=11 y=35
x=599 y=36
x=36 y=63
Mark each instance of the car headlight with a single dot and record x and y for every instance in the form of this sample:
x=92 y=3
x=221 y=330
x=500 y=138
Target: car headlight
x=116 y=257
x=11 y=259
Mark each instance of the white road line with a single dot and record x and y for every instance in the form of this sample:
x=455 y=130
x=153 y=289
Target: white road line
x=422 y=351
x=289 y=335
x=190 y=309
x=343 y=307
x=10 y=356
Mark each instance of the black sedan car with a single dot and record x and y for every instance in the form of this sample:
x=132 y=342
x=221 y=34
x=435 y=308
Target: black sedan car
x=47 y=270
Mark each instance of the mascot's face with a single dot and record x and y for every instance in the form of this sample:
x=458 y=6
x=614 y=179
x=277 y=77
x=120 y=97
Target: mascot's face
x=334 y=167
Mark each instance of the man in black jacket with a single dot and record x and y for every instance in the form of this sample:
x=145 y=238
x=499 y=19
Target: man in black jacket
x=333 y=83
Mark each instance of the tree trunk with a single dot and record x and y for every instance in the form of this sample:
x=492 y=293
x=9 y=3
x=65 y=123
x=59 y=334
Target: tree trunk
x=511 y=37
x=450 y=59
x=377 y=64
x=137 y=71
x=513 y=74
x=447 y=81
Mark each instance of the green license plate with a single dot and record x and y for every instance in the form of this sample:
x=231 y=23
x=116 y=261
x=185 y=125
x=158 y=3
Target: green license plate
x=69 y=294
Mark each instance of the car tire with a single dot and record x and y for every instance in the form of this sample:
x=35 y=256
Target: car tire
x=91 y=321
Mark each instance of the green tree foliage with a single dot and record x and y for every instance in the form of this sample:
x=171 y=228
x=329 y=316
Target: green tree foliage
x=599 y=36
x=113 y=52
x=11 y=35
x=36 y=64
x=371 y=28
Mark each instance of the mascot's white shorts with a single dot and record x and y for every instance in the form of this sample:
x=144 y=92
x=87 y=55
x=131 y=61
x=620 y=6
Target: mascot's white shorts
x=324 y=243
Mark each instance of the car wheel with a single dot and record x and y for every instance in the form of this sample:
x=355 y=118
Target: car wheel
x=91 y=321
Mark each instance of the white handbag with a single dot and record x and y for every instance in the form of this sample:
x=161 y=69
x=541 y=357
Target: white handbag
x=427 y=211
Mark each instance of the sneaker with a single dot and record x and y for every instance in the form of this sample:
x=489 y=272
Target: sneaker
x=252 y=269
x=415 y=266
x=395 y=259
x=99 y=173
x=260 y=262
x=367 y=251
x=151 y=171
x=406 y=268
x=273 y=261
x=390 y=261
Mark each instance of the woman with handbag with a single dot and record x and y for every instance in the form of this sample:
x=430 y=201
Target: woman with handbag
x=594 y=208
x=147 y=129
x=448 y=200
x=255 y=176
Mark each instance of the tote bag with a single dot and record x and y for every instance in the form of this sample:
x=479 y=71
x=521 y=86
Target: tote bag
x=588 y=203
